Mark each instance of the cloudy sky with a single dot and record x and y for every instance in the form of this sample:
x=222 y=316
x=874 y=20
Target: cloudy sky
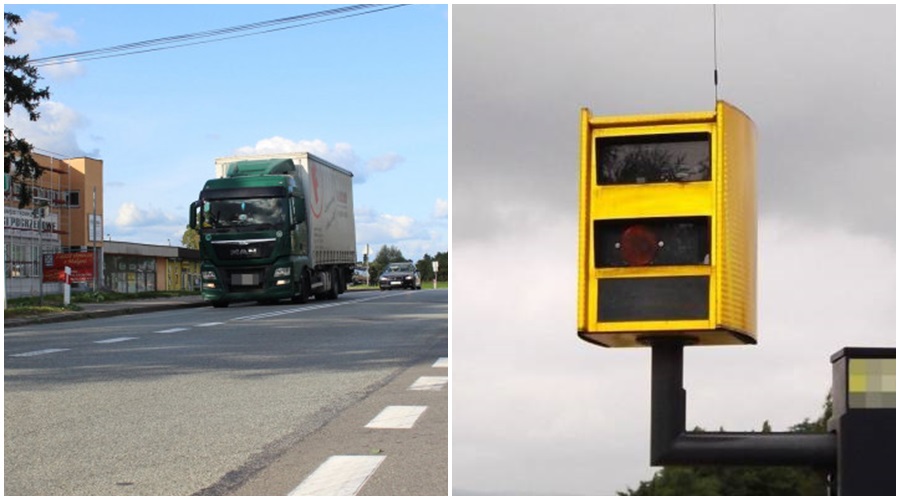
x=368 y=92
x=535 y=409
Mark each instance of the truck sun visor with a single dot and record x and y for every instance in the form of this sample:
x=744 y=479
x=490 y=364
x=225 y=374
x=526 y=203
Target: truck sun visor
x=242 y=193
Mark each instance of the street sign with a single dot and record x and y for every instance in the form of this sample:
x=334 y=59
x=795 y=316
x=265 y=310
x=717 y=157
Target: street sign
x=80 y=266
x=667 y=228
x=95 y=228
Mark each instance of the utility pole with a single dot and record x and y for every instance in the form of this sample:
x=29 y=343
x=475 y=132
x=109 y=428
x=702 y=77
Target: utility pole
x=92 y=232
x=39 y=213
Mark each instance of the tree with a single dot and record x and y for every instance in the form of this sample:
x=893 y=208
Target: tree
x=443 y=266
x=19 y=89
x=191 y=238
x=740 y=480
x=425 y=269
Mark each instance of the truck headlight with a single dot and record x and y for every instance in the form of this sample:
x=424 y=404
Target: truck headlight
x=282 y=272
x=208 y=275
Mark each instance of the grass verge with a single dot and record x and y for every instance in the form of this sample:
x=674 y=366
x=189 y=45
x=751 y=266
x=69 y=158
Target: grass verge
x=22 y=307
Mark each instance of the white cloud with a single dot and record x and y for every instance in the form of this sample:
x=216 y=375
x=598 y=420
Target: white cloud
x=69 y=69
x=130 y=216
x=146 y=224
x=279 y=144
x=38 y=30
x=371 y=226
x=341 y=154
x=54 y=131
x=441 y=209
x=384 y=162
x=412 y=237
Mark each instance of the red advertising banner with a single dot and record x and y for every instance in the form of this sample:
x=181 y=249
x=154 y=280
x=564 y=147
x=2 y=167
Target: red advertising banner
x=82 y=265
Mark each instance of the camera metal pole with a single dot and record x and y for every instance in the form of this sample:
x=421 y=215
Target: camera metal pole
x=670 y=444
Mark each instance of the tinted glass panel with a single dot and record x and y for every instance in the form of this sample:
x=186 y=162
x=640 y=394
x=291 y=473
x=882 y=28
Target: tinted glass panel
x=646 y=159
x=237 y=193
x=653 y=299
x=677 y=241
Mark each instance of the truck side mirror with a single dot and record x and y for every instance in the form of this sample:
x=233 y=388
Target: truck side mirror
x=193 y=216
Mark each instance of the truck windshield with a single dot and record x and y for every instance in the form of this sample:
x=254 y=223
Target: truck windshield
x=240 y=214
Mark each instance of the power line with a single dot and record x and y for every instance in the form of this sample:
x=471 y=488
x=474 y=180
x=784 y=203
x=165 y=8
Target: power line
x=172 y=42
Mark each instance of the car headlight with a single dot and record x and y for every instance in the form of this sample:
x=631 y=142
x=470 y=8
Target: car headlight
x=208 y=275
x=408 y=277
x=282 y=272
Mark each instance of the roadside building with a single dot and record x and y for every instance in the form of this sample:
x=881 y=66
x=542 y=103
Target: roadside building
x=138 y=267
x=64 y=224
x=65 y=217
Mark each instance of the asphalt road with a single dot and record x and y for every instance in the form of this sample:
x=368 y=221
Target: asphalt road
x=262 y=400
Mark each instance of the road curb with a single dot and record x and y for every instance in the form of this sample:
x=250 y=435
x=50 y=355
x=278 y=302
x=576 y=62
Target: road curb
x=107 y=313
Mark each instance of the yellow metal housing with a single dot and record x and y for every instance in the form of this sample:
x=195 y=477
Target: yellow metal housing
x=728 y=199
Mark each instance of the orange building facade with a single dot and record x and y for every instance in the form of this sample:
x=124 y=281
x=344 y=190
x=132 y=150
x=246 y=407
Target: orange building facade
x=65 y=216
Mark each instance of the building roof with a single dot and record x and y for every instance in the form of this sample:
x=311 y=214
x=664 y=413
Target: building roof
x=146 y=250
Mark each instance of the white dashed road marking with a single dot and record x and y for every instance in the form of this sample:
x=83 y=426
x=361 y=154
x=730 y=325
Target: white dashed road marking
x=311 y=307
x=345 y=475
x=340 y=475
x=172 y=330
x=37 y=353
x=204 y=325
x=429 y=384
x=397 y=417
x=113 y=341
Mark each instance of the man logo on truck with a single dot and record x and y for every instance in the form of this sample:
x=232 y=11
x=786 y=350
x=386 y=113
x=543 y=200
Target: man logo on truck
x=245 y=252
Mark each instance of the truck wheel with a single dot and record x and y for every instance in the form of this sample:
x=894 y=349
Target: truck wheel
x=335 y=286
x=342 y=282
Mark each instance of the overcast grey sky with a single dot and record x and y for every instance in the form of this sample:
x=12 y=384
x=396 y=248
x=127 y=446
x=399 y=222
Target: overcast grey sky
x=535 y=409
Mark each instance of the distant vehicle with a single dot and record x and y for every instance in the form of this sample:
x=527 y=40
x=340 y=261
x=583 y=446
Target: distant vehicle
x=400 y=275
x=360 y=276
